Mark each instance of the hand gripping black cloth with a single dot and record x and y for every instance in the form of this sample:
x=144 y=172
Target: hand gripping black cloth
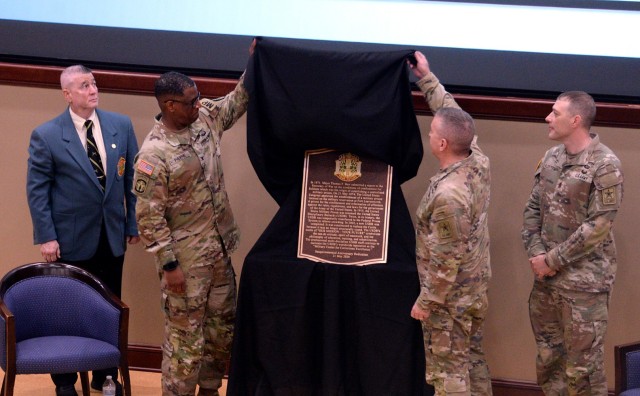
x=308 y=328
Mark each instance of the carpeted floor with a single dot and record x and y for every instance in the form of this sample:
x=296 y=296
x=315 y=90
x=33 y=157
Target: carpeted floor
x=142 y=384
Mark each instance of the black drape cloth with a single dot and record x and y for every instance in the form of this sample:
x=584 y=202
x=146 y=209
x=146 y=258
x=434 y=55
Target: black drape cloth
x=304 y=99
x=307 y=328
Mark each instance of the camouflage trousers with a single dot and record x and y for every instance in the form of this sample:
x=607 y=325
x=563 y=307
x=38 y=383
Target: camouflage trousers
x=199 y=330
x=453 y=351
x=569 y=328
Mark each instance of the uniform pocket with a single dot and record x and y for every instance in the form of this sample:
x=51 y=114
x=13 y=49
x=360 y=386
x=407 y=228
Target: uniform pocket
x=455 y=385
x=589 y=315
x=608 y=182
x=441 y=327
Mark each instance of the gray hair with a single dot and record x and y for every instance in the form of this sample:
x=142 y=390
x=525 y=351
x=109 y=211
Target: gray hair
x=65 y=76
x=458 y=129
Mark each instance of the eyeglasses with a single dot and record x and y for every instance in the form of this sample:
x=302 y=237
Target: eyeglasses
x=191 y=103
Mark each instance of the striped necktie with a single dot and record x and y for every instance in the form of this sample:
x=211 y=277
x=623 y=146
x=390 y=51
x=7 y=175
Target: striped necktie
x=94 y=155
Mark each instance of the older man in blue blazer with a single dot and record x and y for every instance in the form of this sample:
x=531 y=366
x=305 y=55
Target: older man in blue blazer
x=83 y=213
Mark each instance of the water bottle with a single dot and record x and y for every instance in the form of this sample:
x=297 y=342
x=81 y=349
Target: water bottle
x=109 y=387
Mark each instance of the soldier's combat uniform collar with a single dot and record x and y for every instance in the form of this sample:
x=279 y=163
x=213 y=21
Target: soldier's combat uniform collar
x=457 y=164
x=581 y=158
x=174 y=138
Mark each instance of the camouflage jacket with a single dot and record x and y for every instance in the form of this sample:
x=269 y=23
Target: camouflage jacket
x=569 y=216
x=452 y=234
x=183 y=210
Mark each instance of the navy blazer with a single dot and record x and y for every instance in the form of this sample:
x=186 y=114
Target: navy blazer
x=66 y=201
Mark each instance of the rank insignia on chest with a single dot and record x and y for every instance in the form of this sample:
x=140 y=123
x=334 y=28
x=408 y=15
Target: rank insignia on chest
x=609 y=196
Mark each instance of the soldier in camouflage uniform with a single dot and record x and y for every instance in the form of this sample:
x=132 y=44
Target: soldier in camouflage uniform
x=452 y=248
x=185 y=219
x=568 y=235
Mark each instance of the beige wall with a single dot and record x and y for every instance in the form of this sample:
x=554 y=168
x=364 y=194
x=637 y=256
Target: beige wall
x=514 y=149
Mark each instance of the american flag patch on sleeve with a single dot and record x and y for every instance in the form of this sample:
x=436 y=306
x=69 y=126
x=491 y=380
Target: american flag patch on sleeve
x=145 y=167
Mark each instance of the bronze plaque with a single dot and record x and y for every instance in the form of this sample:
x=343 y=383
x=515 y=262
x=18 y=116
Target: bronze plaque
x=344 y=214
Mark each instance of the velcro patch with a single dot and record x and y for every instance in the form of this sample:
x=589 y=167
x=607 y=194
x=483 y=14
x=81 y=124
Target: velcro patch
x=140 y=185
x=207 y=104
x=210 y=107
x=145 y=167
x=447 y=230
x=609 y=196
x=608 y=179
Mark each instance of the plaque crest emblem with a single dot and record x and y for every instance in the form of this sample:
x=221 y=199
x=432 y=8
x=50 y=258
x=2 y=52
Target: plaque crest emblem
x=348 y=167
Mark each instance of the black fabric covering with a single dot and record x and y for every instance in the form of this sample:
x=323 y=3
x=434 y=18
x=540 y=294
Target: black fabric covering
x=304 y=99
x=307 y=328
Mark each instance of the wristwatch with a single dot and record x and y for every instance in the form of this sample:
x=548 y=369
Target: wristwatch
x=170 y=266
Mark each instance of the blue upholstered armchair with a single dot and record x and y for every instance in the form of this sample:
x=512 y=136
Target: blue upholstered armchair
x=57 y=318
x=627 y=366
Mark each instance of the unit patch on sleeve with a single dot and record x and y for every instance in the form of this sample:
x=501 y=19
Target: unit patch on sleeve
x=141 y=185
x=609 y=196
x=445 y=229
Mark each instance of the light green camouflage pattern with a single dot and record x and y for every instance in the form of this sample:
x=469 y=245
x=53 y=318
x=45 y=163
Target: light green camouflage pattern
x=182 y=202
x=183 y=214
x=199 y=330
x=454 y=356
x=452 y=252
x=569 y=216
x=570 y=340
x=435 y=94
